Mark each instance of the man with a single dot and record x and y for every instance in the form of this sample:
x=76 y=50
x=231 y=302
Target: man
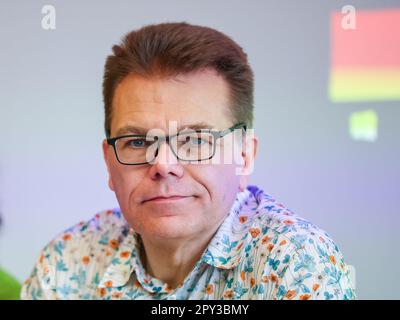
x=177 y=97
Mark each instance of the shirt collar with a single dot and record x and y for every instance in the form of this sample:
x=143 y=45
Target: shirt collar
x=224 y=251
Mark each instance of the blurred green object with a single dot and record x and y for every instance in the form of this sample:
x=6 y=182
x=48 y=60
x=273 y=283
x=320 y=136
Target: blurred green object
x=9 y=287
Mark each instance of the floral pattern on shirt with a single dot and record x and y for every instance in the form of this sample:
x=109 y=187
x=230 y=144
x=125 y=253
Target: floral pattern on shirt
x=262 y=250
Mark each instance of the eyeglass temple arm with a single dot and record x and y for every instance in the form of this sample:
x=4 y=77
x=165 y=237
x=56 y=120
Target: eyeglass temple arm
x=237 y=126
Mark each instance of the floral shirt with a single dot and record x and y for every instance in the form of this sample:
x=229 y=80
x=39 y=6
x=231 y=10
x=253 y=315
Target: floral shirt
x=262 y=250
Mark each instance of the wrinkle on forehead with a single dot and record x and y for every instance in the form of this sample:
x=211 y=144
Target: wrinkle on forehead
x=189 y=87
x=197 y=96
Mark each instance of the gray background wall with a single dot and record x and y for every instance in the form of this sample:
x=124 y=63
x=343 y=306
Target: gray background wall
x=52 y=173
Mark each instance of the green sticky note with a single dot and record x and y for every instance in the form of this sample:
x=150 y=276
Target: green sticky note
x=363 y=125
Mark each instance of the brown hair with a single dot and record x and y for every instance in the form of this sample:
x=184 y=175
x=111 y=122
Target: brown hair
x=169 y=49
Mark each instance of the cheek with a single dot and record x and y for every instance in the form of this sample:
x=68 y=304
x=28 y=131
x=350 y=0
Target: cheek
x=220 y=181
x=125 y=181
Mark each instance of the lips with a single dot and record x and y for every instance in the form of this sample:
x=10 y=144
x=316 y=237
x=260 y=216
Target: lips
x=166 y=198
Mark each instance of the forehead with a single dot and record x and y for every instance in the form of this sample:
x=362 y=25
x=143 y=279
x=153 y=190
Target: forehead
x=154 y=102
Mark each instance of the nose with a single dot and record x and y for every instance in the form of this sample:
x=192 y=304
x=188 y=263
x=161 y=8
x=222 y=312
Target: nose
x=165 y=163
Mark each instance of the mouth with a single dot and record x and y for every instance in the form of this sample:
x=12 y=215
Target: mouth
x=167 y=199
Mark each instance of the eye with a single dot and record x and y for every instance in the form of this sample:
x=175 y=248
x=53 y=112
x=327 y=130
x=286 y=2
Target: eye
x=137 y=143
x=195 y=141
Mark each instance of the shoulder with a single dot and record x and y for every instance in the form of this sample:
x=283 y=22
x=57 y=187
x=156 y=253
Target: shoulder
x=293 y=250
x=105 y=228
x=272 y=221
x=77 y=256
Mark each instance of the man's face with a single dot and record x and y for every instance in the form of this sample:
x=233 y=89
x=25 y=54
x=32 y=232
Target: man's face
x=207 y=190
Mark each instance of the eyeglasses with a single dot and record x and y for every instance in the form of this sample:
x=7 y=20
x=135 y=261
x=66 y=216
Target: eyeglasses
x=187 y=145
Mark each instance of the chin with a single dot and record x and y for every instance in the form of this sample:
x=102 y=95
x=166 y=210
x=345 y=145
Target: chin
x=170 y=227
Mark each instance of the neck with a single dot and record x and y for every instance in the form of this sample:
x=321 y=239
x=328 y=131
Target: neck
x=172 y=261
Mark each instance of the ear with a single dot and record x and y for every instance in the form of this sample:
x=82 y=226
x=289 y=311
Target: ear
x=107 y=154
x=249 y=153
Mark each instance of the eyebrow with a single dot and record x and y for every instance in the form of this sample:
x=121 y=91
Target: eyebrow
x=132 y=129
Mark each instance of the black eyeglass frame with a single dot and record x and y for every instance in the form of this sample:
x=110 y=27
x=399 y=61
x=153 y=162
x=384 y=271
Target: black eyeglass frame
x=216 y=134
